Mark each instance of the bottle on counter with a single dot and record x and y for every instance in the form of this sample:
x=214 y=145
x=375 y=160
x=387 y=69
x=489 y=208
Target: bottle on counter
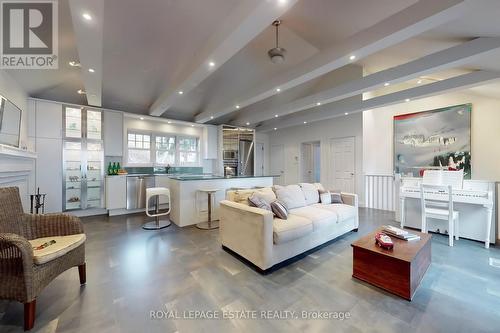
x=118 y=168
x=110 y=169
x=114 y=171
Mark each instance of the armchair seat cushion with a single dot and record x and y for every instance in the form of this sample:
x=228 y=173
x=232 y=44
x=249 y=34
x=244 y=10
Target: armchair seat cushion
x=63 y=245
x=292 y=228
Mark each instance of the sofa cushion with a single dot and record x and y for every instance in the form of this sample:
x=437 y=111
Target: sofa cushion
x=336 y=198
x=291 y=195
x=279 y=210
x=241 y=196
x=311 y=193
x=63 y=245
x=325 y=198
x=319 y=217
x=292 y=228
x=343 y=211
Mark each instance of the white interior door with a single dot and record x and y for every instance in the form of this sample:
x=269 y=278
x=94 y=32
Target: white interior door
x=277 y=155
x=342 y=164
x=259 y=159
x=306 y=163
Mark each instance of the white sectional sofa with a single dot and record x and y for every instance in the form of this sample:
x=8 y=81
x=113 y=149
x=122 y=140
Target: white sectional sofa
x=268 y=242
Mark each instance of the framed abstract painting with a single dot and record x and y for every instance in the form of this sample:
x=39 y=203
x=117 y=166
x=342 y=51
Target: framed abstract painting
x=436 y=139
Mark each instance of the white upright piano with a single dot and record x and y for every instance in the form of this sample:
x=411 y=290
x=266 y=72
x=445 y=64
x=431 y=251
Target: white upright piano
x=474 y=199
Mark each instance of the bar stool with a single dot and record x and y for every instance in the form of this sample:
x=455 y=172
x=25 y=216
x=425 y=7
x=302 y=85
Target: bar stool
x=157 y=224
x=209 y=225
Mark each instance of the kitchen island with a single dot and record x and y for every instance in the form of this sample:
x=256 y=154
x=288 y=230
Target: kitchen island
x=189 y=206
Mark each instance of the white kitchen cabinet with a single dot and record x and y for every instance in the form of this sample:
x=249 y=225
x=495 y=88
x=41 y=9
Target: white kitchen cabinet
x=210 y=142
x=113 y=133
x=49 y=172
x=116 y=192
x=162 y=181
x=48 y=120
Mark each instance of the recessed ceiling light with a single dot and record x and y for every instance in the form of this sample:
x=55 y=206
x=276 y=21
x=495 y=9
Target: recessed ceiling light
x=81 y=92
x=347 y=113
x=211 y=64
x=352 y=57
x=407 y=100
x=211 y=117
x=282 y=2
x=192 y=125
x=247 y=123
x=75 y=64
x=275 y=128
x=91 y=70
x=87 y=16
x=180 y=92
x=276 y=116
x=237 y=106
x=318 y=104
x=141 y=118
x=386 y=84
x=305 y=122
x=419 y=81
x=169 y=122
x=278 y=89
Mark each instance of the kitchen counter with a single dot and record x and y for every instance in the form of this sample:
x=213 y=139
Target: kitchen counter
x=213 y=177
x=189 y=204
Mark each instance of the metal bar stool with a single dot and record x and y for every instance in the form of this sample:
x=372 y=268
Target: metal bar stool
x=209 y=224
x=157 y=224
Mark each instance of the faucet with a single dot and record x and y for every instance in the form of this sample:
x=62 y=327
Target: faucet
x=167 y=168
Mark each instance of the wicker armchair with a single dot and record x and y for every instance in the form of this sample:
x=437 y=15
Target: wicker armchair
x=20 y=278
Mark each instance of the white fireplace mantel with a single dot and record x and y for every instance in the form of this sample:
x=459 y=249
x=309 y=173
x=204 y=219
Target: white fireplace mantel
x=17 y=168
x=16 y=152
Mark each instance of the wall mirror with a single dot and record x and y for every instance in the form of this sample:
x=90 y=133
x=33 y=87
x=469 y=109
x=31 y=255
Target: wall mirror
x=10 y=122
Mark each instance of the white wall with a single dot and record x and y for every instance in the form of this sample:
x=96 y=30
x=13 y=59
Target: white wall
x=324 y=131
x=485 y=134
x=11 y=90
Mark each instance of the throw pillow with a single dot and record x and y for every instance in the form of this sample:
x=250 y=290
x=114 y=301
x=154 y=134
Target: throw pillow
x=256 y=201
x=291 y=195
x=310 y=193
x=336 y=198
x=279 y=210
x=325 y=197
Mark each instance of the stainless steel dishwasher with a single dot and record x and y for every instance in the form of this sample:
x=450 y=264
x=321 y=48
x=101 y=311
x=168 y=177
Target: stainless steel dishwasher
x=136 y=190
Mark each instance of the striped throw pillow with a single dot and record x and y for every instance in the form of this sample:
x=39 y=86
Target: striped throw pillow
x=257 y=201
x=279 y=209
x=336 y=198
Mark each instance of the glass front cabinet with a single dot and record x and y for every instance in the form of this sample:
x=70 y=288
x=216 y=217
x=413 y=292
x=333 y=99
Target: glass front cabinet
x=83 y=159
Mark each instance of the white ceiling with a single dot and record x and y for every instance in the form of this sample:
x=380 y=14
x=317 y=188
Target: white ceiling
x=147 y=45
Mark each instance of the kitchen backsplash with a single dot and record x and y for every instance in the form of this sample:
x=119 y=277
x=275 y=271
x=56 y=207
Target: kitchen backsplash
x=173 y=170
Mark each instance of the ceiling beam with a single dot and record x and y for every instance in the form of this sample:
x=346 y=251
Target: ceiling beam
x=247 y=21
x=445 y=59
x=352 y=105
x=410 y=22
x=89 y=42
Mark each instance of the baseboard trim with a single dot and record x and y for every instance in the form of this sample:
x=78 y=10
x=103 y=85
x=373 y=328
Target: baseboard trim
x=284 y=262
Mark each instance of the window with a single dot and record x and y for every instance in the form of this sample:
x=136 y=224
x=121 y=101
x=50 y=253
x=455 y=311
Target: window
x=165 y=150
x=139 y=148
x=188 y=151
x=162 y=149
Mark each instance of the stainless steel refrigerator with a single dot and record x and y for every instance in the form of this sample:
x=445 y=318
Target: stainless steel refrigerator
x=246 y=158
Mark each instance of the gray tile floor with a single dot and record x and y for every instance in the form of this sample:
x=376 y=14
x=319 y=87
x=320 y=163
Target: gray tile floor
x=132 y=272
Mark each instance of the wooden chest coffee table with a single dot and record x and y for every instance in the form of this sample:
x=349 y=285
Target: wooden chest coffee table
x=399 y=270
